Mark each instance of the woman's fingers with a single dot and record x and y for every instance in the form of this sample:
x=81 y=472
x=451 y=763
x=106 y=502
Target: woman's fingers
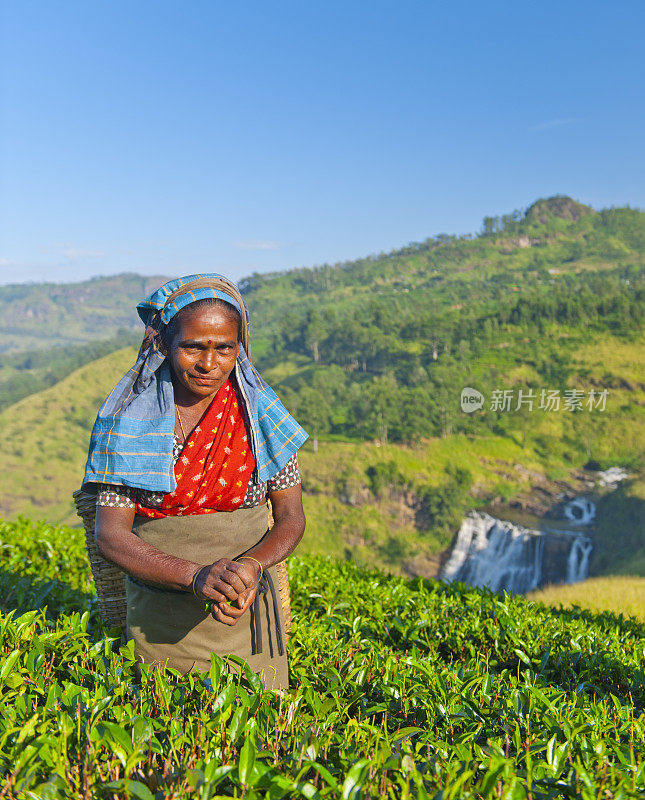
x=218 y=579
x=210 y=585
x=229 y=614
x=211 y=593
x=245 y=599
x=232 y=577
x=244 y=574
x=224 y=581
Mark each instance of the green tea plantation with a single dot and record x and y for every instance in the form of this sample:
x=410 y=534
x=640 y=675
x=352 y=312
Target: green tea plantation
x=400 y=688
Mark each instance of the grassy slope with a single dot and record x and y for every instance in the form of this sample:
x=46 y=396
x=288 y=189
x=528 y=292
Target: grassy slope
x=44 y=444
x=617 y=434
x=46 y=437
x=31 y=371
x=622 y=594
x=41 y=315
x=47 y=434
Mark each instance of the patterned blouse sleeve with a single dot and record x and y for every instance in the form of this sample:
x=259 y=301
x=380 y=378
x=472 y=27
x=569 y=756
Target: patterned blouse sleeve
x=288 y=476
x=116 y=496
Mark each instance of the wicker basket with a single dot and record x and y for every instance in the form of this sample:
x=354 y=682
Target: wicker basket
x=110 y=580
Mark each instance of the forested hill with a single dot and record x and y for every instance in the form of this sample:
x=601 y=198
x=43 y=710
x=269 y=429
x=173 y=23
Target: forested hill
x=379 y=348
x=516 y=252
x=512 y=253
x=371 y=356
x=40 y=315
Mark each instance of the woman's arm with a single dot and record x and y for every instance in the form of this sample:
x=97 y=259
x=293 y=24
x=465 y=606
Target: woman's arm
x=288 y=528
x=219 y=582
x=275 y=546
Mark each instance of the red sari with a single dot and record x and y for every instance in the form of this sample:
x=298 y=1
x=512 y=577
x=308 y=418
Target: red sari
x=215 y=467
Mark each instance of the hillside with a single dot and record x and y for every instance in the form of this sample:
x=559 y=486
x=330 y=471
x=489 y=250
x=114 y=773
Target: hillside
x=46 y=439
x=390 y=505
x=30 y=371
x=547 y=251
x=398 y=689
x=40 y=315
x=371 y=356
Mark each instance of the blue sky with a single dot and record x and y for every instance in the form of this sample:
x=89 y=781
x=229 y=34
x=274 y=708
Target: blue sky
x=172 y=137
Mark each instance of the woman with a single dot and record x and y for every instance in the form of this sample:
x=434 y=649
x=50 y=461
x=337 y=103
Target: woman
x=186 y=450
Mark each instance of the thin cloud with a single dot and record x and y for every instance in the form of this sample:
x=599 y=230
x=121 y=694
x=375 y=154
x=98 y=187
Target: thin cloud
x=76 y=253
x=552 y=123
x=257 y=244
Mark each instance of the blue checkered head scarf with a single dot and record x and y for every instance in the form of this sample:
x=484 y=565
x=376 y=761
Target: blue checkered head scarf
x=132 y=438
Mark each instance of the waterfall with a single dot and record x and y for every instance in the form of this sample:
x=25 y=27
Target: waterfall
x=508 y=557
x=580 y=510
x=578 y=561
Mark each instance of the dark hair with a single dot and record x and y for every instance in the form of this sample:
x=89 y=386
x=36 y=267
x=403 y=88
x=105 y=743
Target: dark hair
x=169 y=331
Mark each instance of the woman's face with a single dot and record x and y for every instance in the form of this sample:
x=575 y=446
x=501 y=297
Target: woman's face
x=202 y=353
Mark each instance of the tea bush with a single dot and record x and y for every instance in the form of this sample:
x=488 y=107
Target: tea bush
x=399 y=689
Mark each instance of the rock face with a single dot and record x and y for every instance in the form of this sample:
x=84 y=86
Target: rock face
x=508 y=557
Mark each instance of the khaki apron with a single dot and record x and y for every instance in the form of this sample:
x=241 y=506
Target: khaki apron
x=173 y=628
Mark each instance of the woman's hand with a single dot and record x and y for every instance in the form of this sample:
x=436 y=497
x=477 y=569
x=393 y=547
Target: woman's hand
x=231 y=585
x=276 y=544
x=230 y=613
x=224 y=580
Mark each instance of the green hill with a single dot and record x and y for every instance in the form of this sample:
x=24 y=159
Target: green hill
x=30 y=371
x=40 y=315
x=46 y=439
x=371 y=356
x=391 y=505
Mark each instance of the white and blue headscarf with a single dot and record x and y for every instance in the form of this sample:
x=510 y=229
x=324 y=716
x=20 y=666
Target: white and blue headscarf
x=132 y=438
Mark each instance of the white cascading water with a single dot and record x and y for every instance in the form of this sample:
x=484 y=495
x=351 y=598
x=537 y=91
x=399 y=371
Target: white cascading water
x=578 y=561
x=508 y=557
